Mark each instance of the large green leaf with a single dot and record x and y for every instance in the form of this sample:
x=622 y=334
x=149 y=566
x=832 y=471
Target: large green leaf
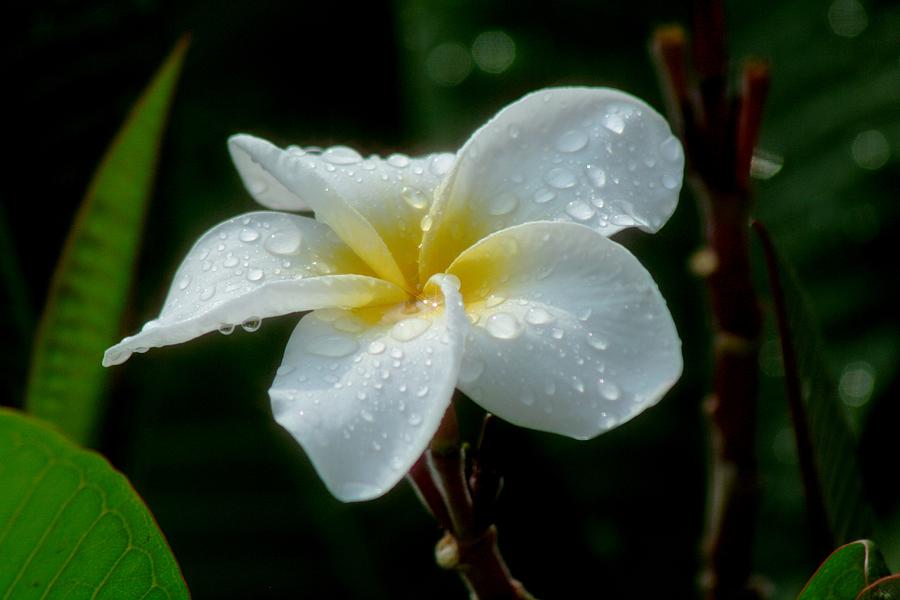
x=827 y=448
x=90 y=287
x=845 y=573
x=71 y=526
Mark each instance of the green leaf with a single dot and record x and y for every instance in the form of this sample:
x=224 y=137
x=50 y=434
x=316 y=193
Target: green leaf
x=90 y=286
x=845 y=573
x=71 y=526
x=826 y=447
x=887 y=588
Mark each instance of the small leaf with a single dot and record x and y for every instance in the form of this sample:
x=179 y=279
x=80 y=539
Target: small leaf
x=90 y=287
x=887 y=588
x=845 y=573
x=827 y=448
x=71 y=525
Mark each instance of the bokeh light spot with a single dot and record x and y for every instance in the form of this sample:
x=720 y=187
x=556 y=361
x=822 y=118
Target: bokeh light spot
x=870 y=149
x=857 y=383
x=494 y=51
x=847 y=18
x=448 y=64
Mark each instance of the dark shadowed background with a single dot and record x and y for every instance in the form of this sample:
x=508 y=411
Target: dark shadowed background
x=190 y=425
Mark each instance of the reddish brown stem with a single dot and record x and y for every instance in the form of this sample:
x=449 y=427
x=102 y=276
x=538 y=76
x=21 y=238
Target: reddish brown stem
x=718 y=133
x=469 y=545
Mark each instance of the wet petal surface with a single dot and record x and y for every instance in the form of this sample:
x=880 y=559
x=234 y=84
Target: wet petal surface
x=252 y=267
x=570 y=332
x=364 y=391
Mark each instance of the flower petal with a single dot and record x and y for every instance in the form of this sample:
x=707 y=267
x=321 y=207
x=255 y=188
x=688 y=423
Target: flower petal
x=252 y=267
x=364 y=391
x=390 y=195
x=590 y=155
x=572 y=335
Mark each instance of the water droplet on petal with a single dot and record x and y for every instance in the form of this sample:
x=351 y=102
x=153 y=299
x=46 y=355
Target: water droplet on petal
x=513 y=131
x=503 y=204
x=669 y=181
x=608 y=390
x=596 y=175
x=426 y=222
x=410 y=329
x=442 y=163
x=398 y=160
x=284 y=241
x=572 y=141
x=503 y=326
x=257 y=187
x=376 y=347
x=614 y=122
x=334 y=346
x=248 y=235
x=414 y=197
x=230 y=261
x=560 y=178
x=207 y=293
x=670 y=149
x=538 y=316
x=341 y=155
x=598 y=342
x=252 y=324
x=543 y=195
x=184 y=281
x=415 y=419
x=226 y=328
x=527 y=399
x=580 y=210
x=494 y=300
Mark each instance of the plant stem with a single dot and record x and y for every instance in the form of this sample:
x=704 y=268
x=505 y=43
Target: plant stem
x=719 y=134
x=469 y=545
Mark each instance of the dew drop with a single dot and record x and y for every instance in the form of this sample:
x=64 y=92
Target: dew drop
x=670 y=149
x=572 y=141
x=560 y=178
x=414 y=197
x=608 y=390
x=503 y=204
x=527 y=399
x=669 y=181
x=513 y=131
x=414 y=419
x=207 y=293
x=230 y=261
x=252 y=324
x=543 y=195
x=226 y=328
x=598 y=342
x=494 y=300
x=366 y=415
x=284 y=241
x=503 y=326
x=254 y=275
x=184 y=282
x=398 y=160
x=596 y=175
x=441 y=164
x=341 y=155
x=614 y=122
x=537 y=316
x=410 y=329
x=580 y=210
x=376 y=347
x=257 y=187
x=248 y=235
x=334 y=346
x=425 y=223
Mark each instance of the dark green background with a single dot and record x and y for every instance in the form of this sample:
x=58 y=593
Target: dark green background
x=190 y=425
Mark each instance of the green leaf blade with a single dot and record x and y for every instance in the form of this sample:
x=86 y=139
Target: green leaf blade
x=90 y=287
x=71 y=526
x=845 y=573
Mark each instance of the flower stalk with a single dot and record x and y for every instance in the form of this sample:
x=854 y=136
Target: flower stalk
x=719 y=133
x=461 y=504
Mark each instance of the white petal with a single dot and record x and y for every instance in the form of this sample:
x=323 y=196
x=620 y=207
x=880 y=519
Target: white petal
x=364 y=391
x=376 y=205
x=572 y=335
x=590 y=155
x=252 y=267
x=262 y=185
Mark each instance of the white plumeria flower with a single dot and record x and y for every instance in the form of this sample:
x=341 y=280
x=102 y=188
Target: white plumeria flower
x=489 y=271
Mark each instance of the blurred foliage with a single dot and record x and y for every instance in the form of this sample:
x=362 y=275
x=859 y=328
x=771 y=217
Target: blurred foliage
x=238 y=500
x=90 y=286
x=72 y=526
x=846 y=572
